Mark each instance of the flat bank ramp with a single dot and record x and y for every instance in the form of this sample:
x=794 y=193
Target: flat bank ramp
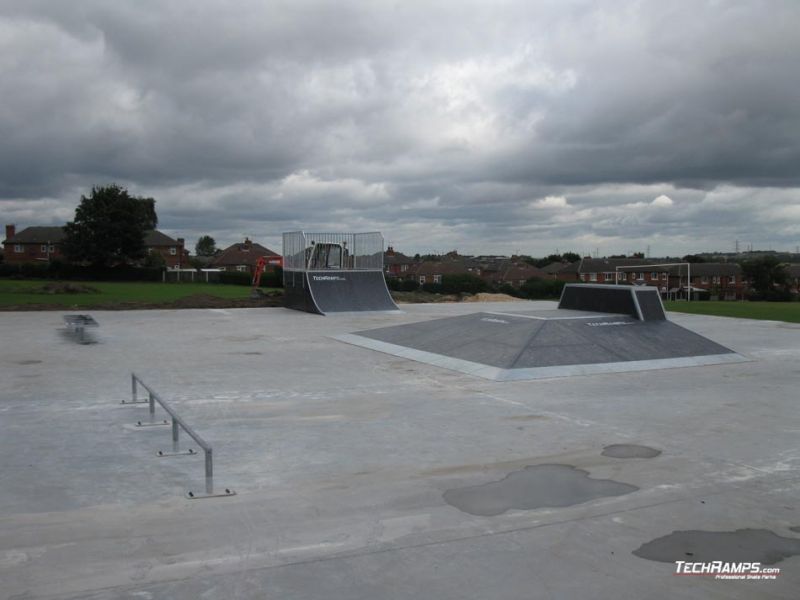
x=507 y=346
x=641 y=302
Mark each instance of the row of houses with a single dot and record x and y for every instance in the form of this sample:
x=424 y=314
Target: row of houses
x=44 y=244
x=717 y=279
x=722 y=280
x=495 y=270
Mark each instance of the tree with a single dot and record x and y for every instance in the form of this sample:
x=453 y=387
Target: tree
x=205 y=246
x=693 y=258
x=536 y=288
x=768 y=277
x=109 y=227
x=571 y=257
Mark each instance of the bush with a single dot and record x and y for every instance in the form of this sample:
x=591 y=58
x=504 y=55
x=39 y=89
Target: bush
x=510 y=290
x=402 y=285
x=432 y=288
x=235 y=278
x=56 y=269
x=771 y=296
x=462 y=283
x=542 y=289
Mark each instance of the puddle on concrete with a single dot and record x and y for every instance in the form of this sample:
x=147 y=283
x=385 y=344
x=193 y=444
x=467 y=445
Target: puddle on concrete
x=796 y=528
x=533 y=487
x=29 y=362
x=630 y=451
x=742 y=545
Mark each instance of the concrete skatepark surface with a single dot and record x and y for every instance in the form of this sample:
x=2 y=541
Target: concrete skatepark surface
x=342 y=456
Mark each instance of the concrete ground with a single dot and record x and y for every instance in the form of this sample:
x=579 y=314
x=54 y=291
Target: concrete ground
x=341 y=456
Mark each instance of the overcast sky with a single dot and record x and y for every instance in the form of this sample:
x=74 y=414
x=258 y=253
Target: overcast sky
x=490 y=127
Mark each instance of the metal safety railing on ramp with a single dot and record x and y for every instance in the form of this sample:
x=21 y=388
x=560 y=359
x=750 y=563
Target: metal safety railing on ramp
x=177 y=424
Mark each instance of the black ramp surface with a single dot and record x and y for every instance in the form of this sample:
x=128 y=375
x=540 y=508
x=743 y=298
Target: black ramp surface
x=349 y=291
x=511 y=342
x=616 y=299
x=296 y=293
x=650 y=305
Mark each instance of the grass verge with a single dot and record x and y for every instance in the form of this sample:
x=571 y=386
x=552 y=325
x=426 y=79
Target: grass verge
x=772 y=311
x=18 y=294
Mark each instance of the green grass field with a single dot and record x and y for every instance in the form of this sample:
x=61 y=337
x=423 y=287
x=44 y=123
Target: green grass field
x=20 y=293
x=773 y=311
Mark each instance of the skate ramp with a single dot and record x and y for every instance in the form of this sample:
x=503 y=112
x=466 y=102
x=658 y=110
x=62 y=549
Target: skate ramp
x=533 y=345
x=326 y=292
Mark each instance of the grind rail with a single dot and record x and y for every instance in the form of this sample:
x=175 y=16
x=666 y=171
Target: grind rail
x=177 y=424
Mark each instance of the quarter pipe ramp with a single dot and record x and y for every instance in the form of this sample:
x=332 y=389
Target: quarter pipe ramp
x=325 y=292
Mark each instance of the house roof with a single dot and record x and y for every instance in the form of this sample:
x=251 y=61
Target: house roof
x=155 y=238
x=573 y=267
x=705 y=269
x=445 y=267
x=396 y=258
x=37 y=235
x=517 y=272
x=243 y=253
x=554 y=267
x=601 y=265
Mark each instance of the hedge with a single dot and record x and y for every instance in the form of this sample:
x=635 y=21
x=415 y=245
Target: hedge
x=60 y=270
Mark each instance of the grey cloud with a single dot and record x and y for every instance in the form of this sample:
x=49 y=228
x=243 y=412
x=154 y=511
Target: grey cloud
x=420 y=119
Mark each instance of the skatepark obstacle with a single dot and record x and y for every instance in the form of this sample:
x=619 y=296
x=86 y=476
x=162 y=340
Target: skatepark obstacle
x=327 y=273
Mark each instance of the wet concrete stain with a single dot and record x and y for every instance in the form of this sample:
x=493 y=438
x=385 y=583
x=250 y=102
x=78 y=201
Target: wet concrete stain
x=29 y=362
x=742 y=545
x=630 y=451
x=796 y=528
x=537 y=486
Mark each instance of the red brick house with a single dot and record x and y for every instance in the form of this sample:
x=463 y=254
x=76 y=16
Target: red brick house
x=242 y=257
x=32 y=244
x=604 y=270
x=511 y=273
x=494 y=271
x=171 y=250
x=397 y=264
x=431 y=271
x=43 y=244
x=720 y=280
x=563 y=271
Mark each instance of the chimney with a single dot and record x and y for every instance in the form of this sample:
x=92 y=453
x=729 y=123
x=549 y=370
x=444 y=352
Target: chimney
x=181 y=242
x=389 y=251
x=247 y=244
x=11 y=231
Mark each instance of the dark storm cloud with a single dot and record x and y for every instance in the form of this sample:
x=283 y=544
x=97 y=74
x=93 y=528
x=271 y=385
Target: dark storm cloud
x=484 y=126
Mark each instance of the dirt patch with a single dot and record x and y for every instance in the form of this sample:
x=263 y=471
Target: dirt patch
x=423 y=297
x=60 y=287
x=487 y=297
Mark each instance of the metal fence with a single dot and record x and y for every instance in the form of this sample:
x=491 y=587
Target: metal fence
x=332 y=251
x=191 y=275
x=177 y=424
